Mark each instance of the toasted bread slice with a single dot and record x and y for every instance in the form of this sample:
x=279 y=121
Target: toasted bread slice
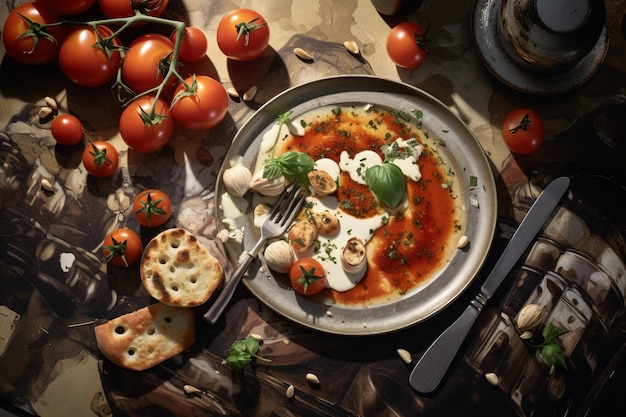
x=178 y=270
x=146 y=337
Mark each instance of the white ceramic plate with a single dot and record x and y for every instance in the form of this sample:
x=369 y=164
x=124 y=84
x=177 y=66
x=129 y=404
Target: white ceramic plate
x=462 y=150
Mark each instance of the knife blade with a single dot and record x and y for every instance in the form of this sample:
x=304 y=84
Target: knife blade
x=433 y=365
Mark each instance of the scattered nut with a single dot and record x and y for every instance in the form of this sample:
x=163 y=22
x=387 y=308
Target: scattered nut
x=286 y=341
x=291 y=391
x=50 y=102
x=232 y=92
x=526 y=335
x=45 y=112
x=257 y=337
x=191 y=390
x=302 y=54
x=249 y=94
x=352 y=47
x=463 y=241
x=46 y=185
x=312 y=378
x=492 y=378
x=329 y=313
x=404 y=355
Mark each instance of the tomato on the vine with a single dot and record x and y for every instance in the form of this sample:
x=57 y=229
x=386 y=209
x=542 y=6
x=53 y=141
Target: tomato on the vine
x=199 y=104
x=67 y=129
x=152 y=208
x=407 y=45
x=100 y=159
x=68 y=7
x=523 y=131
x=307 y=276
x=84 y=60
x=193 y=46
x=145 y=129
x=122 y=247
x=146 y=62
x=126 y=8
x=26 y=41
x=243 y=35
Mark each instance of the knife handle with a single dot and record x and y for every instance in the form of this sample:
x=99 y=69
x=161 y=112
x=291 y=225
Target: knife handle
x=436 y=361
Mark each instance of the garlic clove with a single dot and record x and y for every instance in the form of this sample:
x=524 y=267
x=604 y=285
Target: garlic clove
x=267 y=187
x=529 y=317
x=279 y=256
x=353 y=258
x=237 y=180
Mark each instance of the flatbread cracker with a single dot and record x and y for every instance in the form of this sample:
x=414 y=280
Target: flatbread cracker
x=146 y=337
x=178 y=270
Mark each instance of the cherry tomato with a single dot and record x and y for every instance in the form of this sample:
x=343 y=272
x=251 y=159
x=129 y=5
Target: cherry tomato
x=146 y=62
x=523 y=131
x=122 y=247
x=307 y=276
x=152 y=208
x=67 y=129
x=69 y=7
x=193 y=46
x=143 y=129
x=201 y=104
x=39 y=46
x=407 y=45
x=243 y=35
x=85 y=64
x=100 y=159
x=126 y=8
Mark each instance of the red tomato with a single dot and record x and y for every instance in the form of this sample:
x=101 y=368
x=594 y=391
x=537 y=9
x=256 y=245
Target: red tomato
x=243 y=35
x=152 y=208
x=145 y=129
x=146 y=62
x=193 y=46
x=523 y=131
x=85 y=64
x=122 y=247
x=69 y=7
x=407 y=45
x=201 y=104
x=126 y=8
x=307 y=276
x=22 y=48
x=100 y=159
x=67 y=129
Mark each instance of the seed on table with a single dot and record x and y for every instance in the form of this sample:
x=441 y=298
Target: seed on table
x=492 y=378
x=352 y=47
x=404 y=355
x=232 y=92
x=258 y=337
x=302 y=54
x=191 y=390
x=50 y=102
x=250 y=93
x=290 y=392
x=526 y=335
x=312 y=378
x=45 y=112
x=46 y=185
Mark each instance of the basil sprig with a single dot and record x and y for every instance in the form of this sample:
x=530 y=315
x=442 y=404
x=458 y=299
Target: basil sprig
x=386 y=182
x=242 y=352
x=293 y=165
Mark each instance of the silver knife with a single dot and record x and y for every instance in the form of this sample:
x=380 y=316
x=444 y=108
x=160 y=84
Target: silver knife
x=434 y=364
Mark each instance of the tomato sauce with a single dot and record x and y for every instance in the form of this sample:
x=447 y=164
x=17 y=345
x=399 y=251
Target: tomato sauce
x=414 y=243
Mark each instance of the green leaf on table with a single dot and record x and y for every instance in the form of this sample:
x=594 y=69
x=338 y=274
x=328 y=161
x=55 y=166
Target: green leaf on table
x=242 y=352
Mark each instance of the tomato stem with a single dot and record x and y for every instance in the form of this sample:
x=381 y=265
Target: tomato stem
x=523 y=124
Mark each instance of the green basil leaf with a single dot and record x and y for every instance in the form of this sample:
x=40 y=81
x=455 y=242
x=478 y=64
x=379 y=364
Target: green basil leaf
x=386 y=182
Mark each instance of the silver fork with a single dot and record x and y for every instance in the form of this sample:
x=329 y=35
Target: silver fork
x=278 y=220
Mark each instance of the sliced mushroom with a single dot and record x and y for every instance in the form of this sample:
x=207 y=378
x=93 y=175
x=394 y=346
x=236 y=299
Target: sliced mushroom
x=302 y=236
x=322 y=183
x=326 y=222
x=353 y=255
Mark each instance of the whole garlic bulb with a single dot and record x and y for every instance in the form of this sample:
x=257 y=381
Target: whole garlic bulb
x=279 y=256
x=267 y=187
x=237 y=180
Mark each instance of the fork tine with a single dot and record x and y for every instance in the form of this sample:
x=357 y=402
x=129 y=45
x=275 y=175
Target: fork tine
x=293 y=208
x=285 y=198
